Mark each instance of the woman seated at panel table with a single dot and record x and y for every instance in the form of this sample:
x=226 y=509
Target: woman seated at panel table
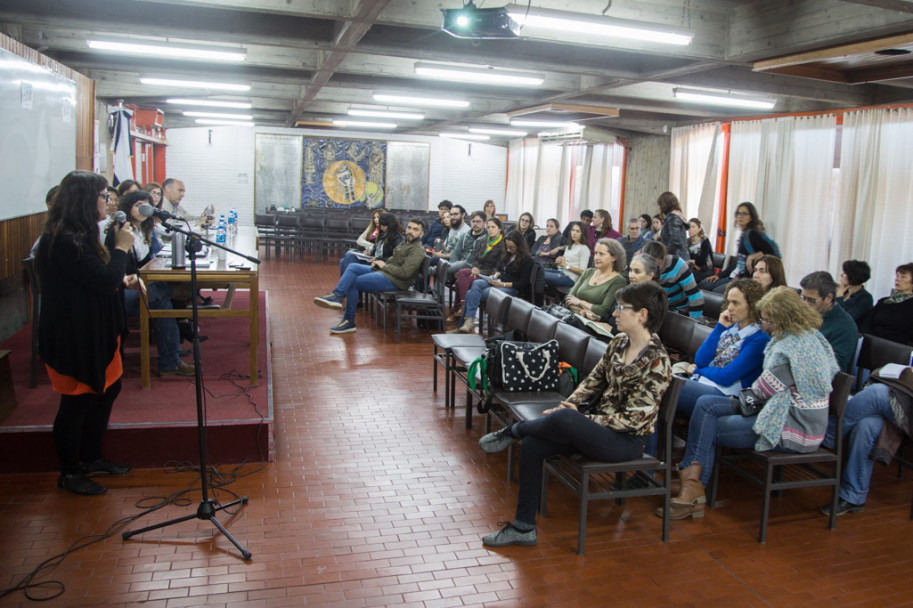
x=892 y=317
x=793 y=388
x=512 y=276
x=626 y=387
x=851 y=295
x=389 y=236
x=575 y=260
x=158 y=294
x=593 y=295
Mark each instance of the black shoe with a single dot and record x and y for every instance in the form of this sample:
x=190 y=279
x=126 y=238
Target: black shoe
x=843 y=507
x=103 y=467
x=80 y=484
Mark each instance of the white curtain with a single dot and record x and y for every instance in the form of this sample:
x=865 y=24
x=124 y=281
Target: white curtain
x=875 y=222
x=555 y=180
x=785 y=166
x=694 y=174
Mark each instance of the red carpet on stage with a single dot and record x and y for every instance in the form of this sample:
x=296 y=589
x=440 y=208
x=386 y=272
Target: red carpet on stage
x=151 y=428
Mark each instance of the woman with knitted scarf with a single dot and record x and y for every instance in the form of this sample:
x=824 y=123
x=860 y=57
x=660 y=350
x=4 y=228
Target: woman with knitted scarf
x=485 y=260
x=794 y=386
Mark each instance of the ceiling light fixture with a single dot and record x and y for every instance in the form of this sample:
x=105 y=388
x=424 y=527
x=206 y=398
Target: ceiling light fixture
x=545 y=124
x=410 y=100
x=220 y=115
x=502 y=132
x=386 y=114
x=465 y=136
x=195 y=84
x=208 y=103
x=723 y=98
x=365 y=124
x=168 y=51
x=478 y=75
x=580 y=23
x=227 y=123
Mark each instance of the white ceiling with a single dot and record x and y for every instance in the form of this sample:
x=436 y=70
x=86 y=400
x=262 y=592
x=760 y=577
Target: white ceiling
x=312 y=60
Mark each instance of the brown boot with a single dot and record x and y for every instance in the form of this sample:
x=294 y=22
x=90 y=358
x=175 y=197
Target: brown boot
x=689 y=501
x=455 y=314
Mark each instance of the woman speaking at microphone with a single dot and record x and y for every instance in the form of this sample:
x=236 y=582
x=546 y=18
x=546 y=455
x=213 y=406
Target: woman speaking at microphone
x=82 y=322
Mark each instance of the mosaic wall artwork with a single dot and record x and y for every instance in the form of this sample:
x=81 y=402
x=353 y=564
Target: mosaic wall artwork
x=340 y=173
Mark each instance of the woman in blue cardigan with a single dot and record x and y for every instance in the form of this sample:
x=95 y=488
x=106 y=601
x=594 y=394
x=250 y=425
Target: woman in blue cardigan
x=730 y=358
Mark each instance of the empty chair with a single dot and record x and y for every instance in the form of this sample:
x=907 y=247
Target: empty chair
x=595 y=349
x=713 y=304
x=675 y=334
x=518 y=315
x=423 y=306
x=541 y=326
x=876 y=352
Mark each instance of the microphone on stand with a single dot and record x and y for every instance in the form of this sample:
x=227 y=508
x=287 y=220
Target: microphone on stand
x=147 y=210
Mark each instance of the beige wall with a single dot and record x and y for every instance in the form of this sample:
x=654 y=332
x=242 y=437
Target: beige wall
x=647 y=173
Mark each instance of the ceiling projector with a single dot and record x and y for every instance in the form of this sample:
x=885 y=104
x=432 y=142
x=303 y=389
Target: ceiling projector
x=473 y=22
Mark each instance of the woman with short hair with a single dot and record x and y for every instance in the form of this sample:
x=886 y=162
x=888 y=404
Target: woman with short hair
x=594 y=293
x=851 y=295
x=799 y=366
x=892 y=316
x=626 y=386
x=643 y=268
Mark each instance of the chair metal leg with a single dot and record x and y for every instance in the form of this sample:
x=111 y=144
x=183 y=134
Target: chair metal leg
x=468 y=408
x=765 y=509
x=434 y=363
x=584 y=501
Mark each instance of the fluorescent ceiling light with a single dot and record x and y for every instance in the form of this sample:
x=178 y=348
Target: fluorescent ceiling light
x=480 y=75
x=504 y=132
x=230 y=123
x=410 y=100
x=195 y=84
x=722 y=98
x=465 y=136
x=220 y=115
x=209 y=103
x=386 y=114
x=579 y=23
x=545 y=124
x=365 y=124
x=168 y=51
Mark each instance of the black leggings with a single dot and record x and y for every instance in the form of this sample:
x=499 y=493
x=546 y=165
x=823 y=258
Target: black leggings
x=80 y=427
x=565 y=431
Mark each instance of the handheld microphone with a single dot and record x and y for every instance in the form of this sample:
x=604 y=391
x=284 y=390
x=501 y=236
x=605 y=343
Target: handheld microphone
x=147 y=210
x=120 y=218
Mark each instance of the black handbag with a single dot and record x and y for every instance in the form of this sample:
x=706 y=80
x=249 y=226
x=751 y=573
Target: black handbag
x=747 y=403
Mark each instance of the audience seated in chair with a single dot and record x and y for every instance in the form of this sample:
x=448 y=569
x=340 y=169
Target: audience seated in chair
x=549 y=244
x=625 y=389
x=575 y=260
x=464 y=249
x=838 y=327
x=512 y=276
x=676 y=278
x=397 y=273
x=794 y=386
x=485 y=259
x=633 y=240
x=750 y=246
x=769 y=272
x=699 y=250
x=389 y=236
x=436 y=229
x=892 y=316
x=457 y=229
x=593 y=295
x=851 y=295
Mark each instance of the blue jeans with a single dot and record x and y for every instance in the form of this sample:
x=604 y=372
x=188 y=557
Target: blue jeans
x=349 y=258
x=564 y=431
x=477 y=294
x=167 y=335
x=714 y=423
x=864 y=417
x=359 y=278
x=556 y=278
x=691 y=392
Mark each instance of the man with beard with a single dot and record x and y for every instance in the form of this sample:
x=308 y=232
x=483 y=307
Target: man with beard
x=458 y=229
x=397 y=273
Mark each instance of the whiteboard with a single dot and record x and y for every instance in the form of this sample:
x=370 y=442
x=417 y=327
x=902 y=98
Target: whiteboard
x=37 y=134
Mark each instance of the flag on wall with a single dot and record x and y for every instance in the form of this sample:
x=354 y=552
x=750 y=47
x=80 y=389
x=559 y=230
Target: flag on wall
x=121 y=144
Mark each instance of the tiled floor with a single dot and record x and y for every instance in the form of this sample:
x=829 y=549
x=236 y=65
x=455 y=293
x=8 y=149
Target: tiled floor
x=379 y=496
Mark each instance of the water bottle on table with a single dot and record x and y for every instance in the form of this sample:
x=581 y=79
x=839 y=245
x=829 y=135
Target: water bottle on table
x=220 y=238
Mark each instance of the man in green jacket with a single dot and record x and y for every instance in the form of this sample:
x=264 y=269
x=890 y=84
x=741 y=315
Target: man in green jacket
x=837 y=327
x=397 y=273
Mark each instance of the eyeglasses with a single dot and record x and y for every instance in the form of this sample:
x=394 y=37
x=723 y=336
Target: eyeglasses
x=808 y=300
x=764 y=321
x=624 y=307
x=742 y=213
x=106 y=195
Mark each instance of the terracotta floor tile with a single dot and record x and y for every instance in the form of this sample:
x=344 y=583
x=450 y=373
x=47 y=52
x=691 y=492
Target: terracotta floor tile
x=379 y=497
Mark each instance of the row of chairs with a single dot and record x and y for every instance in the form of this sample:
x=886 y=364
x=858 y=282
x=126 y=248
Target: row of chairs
x=592 y=480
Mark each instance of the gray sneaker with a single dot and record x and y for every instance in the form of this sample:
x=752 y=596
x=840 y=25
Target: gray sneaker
x=510 y=535
x=331 y=301
x=497 y=441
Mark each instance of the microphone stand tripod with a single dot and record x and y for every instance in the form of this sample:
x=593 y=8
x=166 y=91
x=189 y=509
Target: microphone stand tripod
x=209 y=506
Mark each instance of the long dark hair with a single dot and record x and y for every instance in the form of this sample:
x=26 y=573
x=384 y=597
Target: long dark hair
x=584 y=235
x=517 y=238
x=75 y=211
x=126 y=205
x=755 y=222
x=391 y=222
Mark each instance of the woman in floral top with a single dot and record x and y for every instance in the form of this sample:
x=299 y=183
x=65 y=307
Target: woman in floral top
x=625 y=389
